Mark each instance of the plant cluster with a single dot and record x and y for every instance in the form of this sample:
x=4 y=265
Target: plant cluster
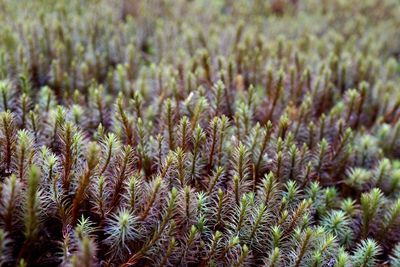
x=200 y=133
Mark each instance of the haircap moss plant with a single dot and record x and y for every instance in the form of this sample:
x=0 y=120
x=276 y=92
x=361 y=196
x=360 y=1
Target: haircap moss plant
x=200 y=133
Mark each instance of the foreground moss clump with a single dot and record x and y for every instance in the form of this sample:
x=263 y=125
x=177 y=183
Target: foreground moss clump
x=200 y=133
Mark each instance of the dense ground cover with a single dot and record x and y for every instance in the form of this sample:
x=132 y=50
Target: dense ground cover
x=200 y=133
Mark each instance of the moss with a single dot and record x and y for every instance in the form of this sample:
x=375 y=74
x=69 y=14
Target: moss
x=199 y=133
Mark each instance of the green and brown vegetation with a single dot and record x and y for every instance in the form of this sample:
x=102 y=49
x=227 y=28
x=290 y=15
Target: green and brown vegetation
x=200 y=133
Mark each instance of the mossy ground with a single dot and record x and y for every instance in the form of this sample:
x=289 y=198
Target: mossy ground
x=200 y=133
